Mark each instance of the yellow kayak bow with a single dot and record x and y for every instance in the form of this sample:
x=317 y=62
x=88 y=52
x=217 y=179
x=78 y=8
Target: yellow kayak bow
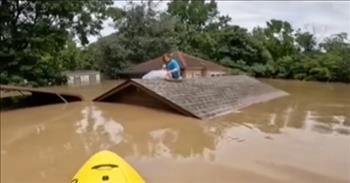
x=106 y=166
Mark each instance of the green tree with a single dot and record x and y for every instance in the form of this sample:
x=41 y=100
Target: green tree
x=196 y=27
x=34 y=32
x=73 y=57
x=306 y=41
x=142 y=33
x=195 y=13
x=195 y=17
x=337 y=49
x=147 y=33
x=277 y=37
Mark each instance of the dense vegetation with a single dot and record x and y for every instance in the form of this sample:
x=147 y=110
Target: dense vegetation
x=36 y=41
x=36 y=37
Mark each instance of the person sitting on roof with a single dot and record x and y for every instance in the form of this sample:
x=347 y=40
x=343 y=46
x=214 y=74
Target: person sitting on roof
x=173 y=67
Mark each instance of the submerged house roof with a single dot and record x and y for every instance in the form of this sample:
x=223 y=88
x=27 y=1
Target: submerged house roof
x=27 y=96
x=201 y=97
x=64 y=96
x=186 y=61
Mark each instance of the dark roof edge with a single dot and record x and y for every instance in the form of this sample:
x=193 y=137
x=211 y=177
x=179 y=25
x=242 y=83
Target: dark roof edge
x=205 y=61
x=37 y=90
x=111 y=91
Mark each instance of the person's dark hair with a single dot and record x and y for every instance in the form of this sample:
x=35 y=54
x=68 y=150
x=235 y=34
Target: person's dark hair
x=166 y=57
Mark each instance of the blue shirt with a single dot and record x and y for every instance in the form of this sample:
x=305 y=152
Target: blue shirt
x=173 y=65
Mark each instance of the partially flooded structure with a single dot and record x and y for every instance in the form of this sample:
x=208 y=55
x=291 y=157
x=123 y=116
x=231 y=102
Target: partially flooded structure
x=18 y=97
x=283 y=140
x=83 y=77
x=191 y=67
x=202 y=98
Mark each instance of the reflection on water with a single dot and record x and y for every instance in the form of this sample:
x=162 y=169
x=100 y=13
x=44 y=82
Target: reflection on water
x=162 y=136
x=310 y=106
x=99 y=126
x=158 y=136
x=301 y=138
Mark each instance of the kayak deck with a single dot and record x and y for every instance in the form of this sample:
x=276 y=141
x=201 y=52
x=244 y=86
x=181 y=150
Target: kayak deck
x=106 y=166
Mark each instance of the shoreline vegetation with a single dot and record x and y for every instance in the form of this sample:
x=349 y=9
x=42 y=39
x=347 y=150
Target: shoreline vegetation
x=39 y=41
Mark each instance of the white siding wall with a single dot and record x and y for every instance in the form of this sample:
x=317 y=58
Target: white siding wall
x=193 y=74
x=198 y=73
x=70 y=80
x=83 y=79
x=215 y=73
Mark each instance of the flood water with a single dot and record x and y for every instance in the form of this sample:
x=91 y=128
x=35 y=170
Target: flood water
x=302 y=138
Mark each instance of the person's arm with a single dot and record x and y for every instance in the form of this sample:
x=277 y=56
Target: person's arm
x=174 y=70
x=175 y=66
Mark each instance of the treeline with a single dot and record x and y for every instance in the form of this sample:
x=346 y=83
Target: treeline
x=37 y=41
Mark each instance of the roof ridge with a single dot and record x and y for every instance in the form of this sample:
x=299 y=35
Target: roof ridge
x=200 y=60
x=211 y=62
x=186 y=61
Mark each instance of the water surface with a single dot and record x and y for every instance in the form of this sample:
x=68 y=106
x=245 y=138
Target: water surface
x=302 y=138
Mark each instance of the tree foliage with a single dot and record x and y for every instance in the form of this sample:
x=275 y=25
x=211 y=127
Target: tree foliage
x=34 y=32
x=38 y=41
x=143 y=33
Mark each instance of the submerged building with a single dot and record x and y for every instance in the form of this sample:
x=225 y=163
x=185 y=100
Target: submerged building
x=202 y=98
x=83 y=77
x=191 y=66
x=13 y=97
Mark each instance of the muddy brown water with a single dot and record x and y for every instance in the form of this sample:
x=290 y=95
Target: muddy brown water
x=302 y=138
